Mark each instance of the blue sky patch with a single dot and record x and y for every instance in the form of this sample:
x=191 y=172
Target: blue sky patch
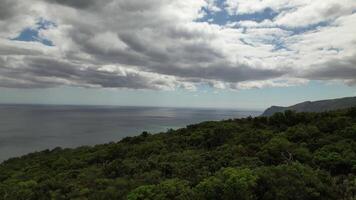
x=222 y=17
x=31 y=34
x=301 y=30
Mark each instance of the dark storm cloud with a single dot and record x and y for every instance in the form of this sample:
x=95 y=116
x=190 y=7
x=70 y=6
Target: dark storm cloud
x=38 y=72
x=7 y=50
x=337 y=69
x=222 y=72
x=7 y=9
x=80 y=4
x=237 y=74
x=193 y=60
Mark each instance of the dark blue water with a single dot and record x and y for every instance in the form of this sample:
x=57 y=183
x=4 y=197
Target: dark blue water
x=29 y=128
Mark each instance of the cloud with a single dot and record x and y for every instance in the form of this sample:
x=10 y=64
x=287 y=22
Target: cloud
x=336 y=69
x=316 y=12
x=239 y=7
x=46 y=72
x=327 y=53
x=159 y=44
x=7 y=8
x=80 y=4
x=279 y=82
x=301 y=13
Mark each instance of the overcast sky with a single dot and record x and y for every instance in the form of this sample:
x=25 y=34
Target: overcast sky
x=196 y=53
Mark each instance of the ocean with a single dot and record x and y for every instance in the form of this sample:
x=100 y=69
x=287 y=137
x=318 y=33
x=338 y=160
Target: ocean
x=28 y=128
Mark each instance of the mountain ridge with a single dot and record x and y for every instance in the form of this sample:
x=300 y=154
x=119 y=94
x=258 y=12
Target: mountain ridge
x=314 y=106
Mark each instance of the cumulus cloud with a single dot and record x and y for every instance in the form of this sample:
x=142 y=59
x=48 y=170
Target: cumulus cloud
x=336 y=69
x=161 y=44
x=315 y=12
x=7 y=8
x=279 y=82
x=294 y=13
x=238 y=7
x=80 y=4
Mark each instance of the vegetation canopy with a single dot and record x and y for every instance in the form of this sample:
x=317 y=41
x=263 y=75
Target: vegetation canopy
x=299 y=156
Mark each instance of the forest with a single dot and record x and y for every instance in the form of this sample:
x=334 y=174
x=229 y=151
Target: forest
x=289 y=155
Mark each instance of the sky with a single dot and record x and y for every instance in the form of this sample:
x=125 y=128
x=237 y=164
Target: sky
x=246 y=54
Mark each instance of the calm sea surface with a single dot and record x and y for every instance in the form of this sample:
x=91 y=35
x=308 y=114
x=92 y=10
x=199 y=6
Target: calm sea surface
x=29 y=128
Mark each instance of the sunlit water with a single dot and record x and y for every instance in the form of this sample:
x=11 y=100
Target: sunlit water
x=28 y=128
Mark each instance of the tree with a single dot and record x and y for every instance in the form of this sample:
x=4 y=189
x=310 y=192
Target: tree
x=293 y=182
x=338 y=158
x=173 y=189
x=229 y=183
x=278 y=150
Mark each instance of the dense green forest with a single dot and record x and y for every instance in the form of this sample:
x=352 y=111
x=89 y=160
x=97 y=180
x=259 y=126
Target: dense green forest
x=299 y=156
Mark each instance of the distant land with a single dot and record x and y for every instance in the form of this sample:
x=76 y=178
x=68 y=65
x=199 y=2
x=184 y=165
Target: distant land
x=315 y=106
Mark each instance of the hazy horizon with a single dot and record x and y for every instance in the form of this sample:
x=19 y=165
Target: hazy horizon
x=154 y=106
x=128 y=106
x=28 y=128
x=88 y=97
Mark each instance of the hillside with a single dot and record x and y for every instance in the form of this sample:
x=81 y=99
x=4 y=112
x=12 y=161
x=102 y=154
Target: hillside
x=288 y=156
x=315 y=106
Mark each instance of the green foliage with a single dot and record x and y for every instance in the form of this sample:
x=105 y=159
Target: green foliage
x=173 y=189
x=276 y=151
x=229 y=183
x=295 y=182
x=289 y=155
x=338 y=158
